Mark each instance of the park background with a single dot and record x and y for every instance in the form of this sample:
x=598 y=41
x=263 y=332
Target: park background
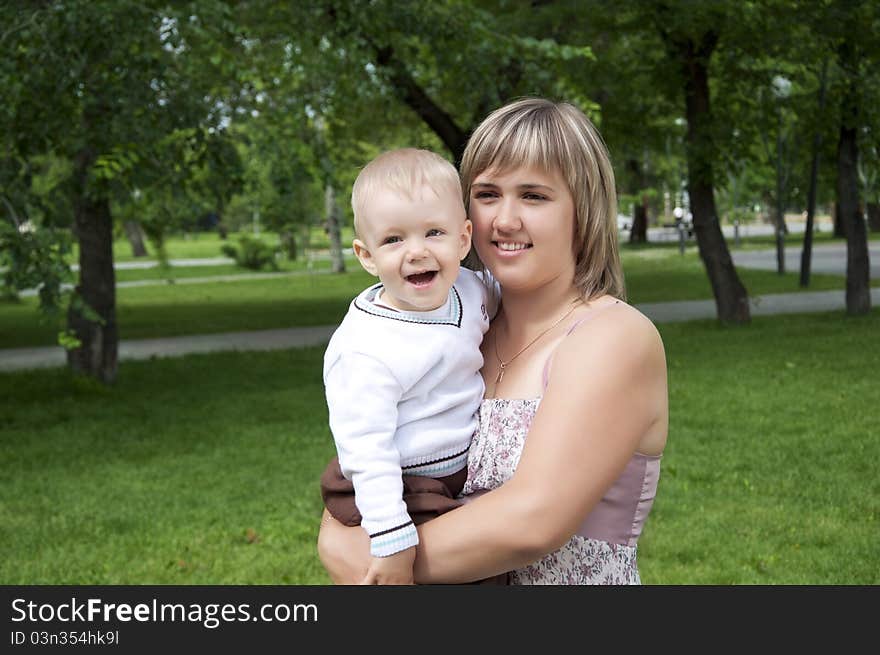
x=181 y=169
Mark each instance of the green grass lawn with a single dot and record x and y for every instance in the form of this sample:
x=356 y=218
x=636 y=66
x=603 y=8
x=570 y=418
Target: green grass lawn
x=661 y=274
x=203 y=469
x=770 y=472
x=197 y=470
x=653 y=274
x=178 y=309
x=180 y=272
x=197 y=245
x=207 y=244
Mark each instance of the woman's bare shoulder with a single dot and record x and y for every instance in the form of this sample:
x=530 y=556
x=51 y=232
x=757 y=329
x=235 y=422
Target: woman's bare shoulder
x=616 y=350
x=599 y=365
x=617 y=330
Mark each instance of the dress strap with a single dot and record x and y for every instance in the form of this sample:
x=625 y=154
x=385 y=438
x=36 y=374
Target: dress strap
x=545 y=376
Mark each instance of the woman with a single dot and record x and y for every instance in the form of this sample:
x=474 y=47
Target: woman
x=567 y=363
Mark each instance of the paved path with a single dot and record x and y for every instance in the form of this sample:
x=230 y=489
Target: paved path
x=826 y=258
x=665 y=312
x=12 y=359
x=660 y=234
x=142 y=264
x=767 y=305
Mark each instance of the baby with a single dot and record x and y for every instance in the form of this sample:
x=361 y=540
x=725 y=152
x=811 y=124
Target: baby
x=402 y=371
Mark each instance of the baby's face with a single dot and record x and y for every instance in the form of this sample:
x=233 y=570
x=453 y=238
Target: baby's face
x=414 y=245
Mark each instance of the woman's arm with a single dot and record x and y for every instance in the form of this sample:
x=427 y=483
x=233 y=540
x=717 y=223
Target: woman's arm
x=344 y=551
x=607 y=389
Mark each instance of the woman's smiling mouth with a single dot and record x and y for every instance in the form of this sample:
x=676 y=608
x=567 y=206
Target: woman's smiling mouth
x=511 y=246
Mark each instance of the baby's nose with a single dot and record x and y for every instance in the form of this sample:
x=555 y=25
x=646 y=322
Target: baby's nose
x=417 y=251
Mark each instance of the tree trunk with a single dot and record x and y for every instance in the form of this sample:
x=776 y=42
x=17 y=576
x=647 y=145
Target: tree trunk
x=731 y=298
x=333 y=230
x=221 y=213
x=839 y=227
x=874 y=216
x=288 y=244
x=858 y=289
x=639 y=231
x=807 y=252
x=135 y=236
x=413 y=95
x=849 y=214
x=92 y=313
x=781 y=229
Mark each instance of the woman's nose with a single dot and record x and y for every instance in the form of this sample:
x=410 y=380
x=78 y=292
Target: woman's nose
x=507 y=217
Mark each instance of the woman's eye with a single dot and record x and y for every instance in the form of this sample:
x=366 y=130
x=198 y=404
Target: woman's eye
x=435 y=233
x=390 y=240
x=484 y=194
x=534 y=196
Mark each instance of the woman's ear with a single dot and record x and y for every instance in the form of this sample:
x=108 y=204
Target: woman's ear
x=466 y=233
x=364 y=257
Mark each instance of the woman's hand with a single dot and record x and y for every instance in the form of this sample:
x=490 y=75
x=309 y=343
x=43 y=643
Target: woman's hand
x=344 y=551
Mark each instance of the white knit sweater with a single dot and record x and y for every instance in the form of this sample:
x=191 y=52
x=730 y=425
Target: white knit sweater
x=403 y=390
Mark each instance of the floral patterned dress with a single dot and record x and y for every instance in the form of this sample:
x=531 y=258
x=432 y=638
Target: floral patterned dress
x=604 y=550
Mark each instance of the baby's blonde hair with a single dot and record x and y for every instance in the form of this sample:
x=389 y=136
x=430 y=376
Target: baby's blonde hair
x=404 y=171
x=533 y=132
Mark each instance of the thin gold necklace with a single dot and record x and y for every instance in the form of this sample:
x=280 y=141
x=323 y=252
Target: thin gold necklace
x=503 y=365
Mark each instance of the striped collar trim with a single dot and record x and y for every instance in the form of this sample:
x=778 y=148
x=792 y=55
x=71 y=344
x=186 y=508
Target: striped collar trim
x=452 y=316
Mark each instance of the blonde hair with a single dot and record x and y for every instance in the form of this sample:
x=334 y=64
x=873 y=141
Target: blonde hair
x=404 y=171
x=533 y=132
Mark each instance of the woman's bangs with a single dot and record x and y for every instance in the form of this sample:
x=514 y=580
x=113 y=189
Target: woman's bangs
x=524 y=144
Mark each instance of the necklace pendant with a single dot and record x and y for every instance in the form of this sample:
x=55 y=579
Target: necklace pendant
x=500 y=375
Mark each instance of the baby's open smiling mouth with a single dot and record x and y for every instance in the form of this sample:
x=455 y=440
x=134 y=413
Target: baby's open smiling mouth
x=421 y=279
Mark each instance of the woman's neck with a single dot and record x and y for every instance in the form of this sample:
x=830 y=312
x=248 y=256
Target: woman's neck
x=525 y=311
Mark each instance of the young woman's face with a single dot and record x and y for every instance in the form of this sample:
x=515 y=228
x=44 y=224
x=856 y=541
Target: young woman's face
x=523 y=226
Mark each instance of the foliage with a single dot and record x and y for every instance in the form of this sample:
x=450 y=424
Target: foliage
x=33 y=245
x=252 y=253
x=34 y=259
x=280 y=190
x=113 y=92
x=251 y=109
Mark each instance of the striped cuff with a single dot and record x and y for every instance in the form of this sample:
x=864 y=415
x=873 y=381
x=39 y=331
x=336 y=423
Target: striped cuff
x=388 y=542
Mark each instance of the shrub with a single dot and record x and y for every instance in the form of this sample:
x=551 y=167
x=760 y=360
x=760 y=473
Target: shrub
x=251 y=253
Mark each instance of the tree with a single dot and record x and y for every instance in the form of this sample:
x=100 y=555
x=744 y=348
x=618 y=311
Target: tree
x=626 y=99
x=846 y=32
x=806 y=252
x=691 y=34
x=343 y=63
x=858 y=290
x=121 y=78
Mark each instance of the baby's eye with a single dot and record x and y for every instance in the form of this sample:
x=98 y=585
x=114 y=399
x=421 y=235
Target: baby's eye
x=390 y=240
x=435 y=233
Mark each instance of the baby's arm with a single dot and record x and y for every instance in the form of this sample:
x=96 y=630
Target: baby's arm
x=362 y=397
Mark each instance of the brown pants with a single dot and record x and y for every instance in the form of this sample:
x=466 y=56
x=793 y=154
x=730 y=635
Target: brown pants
x=425 y=498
